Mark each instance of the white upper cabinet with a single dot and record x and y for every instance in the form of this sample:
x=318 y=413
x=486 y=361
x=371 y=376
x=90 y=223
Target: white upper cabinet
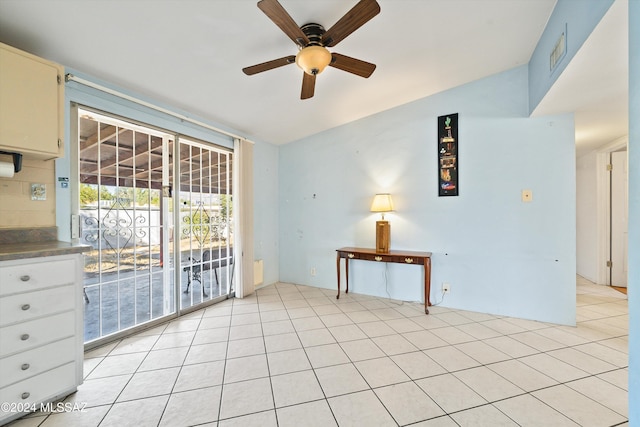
x=31 y=104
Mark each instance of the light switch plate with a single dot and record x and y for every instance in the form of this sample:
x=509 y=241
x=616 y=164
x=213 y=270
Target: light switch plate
x=38 y=192
x=527 y=195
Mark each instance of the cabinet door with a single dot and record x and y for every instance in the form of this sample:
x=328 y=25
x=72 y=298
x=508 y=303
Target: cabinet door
x=30 y=104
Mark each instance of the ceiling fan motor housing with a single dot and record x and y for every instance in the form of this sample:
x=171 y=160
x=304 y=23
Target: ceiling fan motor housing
x=313 y=58
x=314 y=33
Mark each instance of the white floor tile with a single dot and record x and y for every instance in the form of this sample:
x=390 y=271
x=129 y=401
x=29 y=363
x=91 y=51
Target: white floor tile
x=361 y=350
x=295 y=388
x=118 y=365
x=314 y=337
x=202 y=375
x=326 y=355
x=347 y=333
x=360 y=410
x=141 y=413
x=245 y=347
x=167 y=358
x=582 y=360
x=528 y=411
x=100 y=391
x=522 y=375
x=246 y=397
x=312 y=414
x=394 y=344
x=481 y=352
x=451 y=358
x=553 y=368
x=206 y=353
x=584 y=411
x=281 y=342
x=246 y=368
x=340 y=379
x=450 y=393
x=417 y=365
x=192 y=407
x=89 y=417
x=424 y=339
x=283 y=362
x=381 y=372
x=277 y=327
x=260 y=419
x=407 y=403
x=486 y=415
x=150 y=384
x=488 y=384
x=614 y=398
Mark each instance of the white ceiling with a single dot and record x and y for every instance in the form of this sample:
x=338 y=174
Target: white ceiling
x=189 y=54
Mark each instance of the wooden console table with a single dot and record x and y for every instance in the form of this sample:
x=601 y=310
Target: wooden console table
x=399 y=257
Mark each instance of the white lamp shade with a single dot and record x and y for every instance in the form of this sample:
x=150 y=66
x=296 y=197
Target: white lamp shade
x=313 y=59
x=382 y=203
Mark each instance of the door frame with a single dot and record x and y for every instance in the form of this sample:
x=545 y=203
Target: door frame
x=603 y=212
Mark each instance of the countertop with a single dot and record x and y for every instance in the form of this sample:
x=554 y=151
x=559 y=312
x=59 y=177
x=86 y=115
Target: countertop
x=35 y=242
x=42 y=249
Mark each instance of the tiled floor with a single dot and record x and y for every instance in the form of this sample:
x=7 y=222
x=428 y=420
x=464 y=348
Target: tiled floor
x=295 y=356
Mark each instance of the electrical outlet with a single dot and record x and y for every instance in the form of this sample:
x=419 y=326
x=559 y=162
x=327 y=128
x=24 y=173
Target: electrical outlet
x=313 y=271
x=446 y=288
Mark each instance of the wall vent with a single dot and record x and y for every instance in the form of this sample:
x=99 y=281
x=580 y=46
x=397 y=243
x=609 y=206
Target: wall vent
x=559 y=50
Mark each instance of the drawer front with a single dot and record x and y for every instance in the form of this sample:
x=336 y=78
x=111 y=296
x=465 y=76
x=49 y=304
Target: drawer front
x=23 y=307
x=36 y=275
x=41 y=387
x=33 y=362
x=27 y=335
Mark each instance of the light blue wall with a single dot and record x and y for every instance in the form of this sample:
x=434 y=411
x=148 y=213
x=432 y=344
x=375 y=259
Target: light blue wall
x=500 y=255
x=634 y=212
x=579 y=18
x=265 y=216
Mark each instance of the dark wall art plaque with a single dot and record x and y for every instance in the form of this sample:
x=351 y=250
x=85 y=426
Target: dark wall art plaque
x=448 y=155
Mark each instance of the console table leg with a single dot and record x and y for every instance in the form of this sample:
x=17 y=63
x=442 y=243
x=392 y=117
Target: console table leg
x=427 y=284
x=338 y=271
x=346 y=273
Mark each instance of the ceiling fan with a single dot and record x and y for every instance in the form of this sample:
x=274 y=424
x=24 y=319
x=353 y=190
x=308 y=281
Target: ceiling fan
x=313 y=40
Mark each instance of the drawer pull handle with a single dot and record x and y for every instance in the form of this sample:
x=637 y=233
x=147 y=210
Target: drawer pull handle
x=351 y=255
x=25 y=278
x=408 y=260
x=25 y=307
x=25 y=395
x=25 y=366
x=378 y=258
x=24 y=337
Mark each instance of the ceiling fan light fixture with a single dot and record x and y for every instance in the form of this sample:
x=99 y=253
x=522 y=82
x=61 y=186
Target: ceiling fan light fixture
x=313 y=59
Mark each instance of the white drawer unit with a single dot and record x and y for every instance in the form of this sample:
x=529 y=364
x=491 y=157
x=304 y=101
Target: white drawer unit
x=41 y=330
x=34 y=333
x=41 y=388
x=33 y=362
x=30 y=305
x=32 y=277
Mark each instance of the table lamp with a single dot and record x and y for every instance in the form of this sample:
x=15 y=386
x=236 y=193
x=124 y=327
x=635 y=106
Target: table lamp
x=382 y=203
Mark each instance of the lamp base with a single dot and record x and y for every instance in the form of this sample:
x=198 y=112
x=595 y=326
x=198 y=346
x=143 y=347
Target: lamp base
x=383 y=236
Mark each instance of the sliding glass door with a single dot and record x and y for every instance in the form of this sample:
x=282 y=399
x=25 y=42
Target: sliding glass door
x=130 y=201
x=206 y=229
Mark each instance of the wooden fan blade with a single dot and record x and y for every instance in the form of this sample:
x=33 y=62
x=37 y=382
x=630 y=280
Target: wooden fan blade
x=282 y=19
x=352 y=65
x=269 y=65
x=308 y=85
x=359 y=15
